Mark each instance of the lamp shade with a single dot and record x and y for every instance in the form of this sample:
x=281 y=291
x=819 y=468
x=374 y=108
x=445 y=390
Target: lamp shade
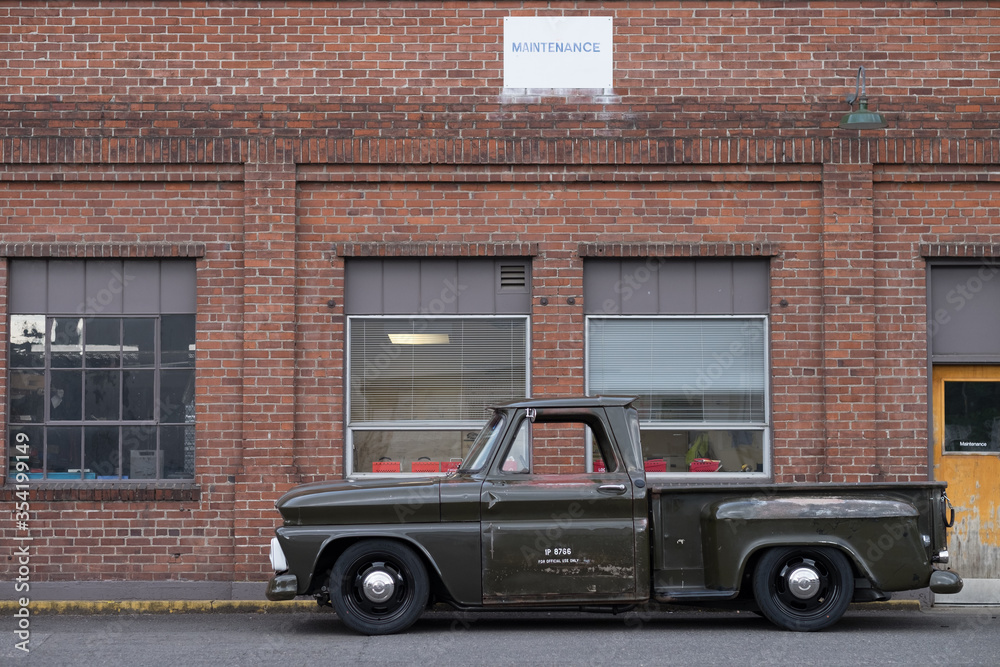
x=863 y=118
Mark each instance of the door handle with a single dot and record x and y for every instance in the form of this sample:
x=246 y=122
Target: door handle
x=616 y=489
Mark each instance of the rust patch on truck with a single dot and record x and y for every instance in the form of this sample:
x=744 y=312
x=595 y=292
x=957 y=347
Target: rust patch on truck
x=753 y=509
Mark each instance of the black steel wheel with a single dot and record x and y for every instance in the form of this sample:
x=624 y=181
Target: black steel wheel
x=379 y=587
x=803 y=588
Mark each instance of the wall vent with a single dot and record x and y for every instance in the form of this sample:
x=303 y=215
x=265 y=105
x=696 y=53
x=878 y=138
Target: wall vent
x=513 y=277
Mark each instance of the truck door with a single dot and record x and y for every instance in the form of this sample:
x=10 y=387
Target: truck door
x=551 y=531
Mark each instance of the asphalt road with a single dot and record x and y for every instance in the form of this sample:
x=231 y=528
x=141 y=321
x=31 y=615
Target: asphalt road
x=883 y=637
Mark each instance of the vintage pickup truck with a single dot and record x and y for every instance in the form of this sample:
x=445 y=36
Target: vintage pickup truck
x=511 y=529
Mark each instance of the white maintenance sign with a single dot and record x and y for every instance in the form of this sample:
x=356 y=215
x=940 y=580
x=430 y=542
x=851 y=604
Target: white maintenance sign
x=558 y=52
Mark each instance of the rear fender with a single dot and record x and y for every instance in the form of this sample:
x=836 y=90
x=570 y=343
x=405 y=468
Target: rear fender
x=880 y=537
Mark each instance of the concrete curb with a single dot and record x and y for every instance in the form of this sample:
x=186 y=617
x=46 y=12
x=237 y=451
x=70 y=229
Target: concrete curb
x=96 y=607
x=108 y=607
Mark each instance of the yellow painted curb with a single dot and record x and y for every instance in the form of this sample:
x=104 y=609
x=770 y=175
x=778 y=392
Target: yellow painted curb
x=74 y=607
x=911 y=605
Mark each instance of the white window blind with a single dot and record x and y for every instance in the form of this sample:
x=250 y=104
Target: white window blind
x=434 y=369
x=689 y=369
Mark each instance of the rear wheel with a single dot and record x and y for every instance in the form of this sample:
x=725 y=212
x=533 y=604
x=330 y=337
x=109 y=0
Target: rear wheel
x=378 y=587
x=803 y=588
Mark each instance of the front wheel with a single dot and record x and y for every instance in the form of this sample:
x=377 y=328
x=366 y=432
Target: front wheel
x=803 y=588
x=378 y=587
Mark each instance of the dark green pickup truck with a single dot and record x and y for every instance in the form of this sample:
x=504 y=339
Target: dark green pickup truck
x=526 y=523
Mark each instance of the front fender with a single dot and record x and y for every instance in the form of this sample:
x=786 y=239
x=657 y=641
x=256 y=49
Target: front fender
x=450 y=552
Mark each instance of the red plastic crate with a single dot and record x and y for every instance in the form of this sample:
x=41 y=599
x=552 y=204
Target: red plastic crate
x=655 y=465
x=425 y=466
x=705 y=465
x=386 y=466
x=450 y=466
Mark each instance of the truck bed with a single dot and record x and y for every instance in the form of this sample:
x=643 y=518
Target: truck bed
x=705 y=537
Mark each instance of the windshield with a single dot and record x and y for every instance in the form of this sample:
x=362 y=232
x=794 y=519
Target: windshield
x=483 y=444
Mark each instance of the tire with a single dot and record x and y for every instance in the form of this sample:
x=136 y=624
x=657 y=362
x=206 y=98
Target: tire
x=396 y=593
x=825 y=586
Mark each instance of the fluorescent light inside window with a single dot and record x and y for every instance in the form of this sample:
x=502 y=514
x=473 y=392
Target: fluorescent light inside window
x=419 y=338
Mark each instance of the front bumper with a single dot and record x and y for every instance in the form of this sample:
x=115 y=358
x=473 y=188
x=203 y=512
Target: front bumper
x=945 y=582
x=282 y=587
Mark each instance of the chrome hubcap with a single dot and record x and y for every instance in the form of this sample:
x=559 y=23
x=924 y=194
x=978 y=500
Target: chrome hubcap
x=378 y=586
x=803 y=583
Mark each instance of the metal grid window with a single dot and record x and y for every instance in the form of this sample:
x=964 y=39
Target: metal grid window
x=102 y=369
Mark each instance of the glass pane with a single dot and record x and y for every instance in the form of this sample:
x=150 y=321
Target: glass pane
x=177 y=447
x=704 y=369
x=177 y=397
x=100 y=451
x=435 y=369
x=62 y=452
x=972 y=417
x=483 y=443
x=103 y=395
x=674 y=450
x=66 y=396
x=139 y=457
x=137 y=395
x=103 y=342
x=398 y=451
x=139 y=346
x=27 y=396
x=24 y=450
x=177 y=340
x=67 y=342
x=27 y=341
x=517 y=458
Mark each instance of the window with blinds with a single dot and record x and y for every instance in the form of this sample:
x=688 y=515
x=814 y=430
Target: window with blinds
x=682 y=369
x=701 y=384
x=419 y=385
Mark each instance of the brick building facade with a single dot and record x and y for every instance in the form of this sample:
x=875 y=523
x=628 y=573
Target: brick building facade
x=272 y=148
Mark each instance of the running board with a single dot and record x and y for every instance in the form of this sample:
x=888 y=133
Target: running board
x=691 y=594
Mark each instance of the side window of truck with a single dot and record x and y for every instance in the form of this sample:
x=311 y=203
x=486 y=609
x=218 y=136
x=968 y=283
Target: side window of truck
x=552 y=448
x=517 y=460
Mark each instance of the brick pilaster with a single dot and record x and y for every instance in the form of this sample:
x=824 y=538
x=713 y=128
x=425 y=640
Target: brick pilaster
x=268 y=358
x=557 y=325
x=848 y=323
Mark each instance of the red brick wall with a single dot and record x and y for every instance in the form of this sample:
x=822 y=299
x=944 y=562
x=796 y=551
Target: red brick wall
x=940 y=208
x=258 y=136
x=119 y=538
x=420 y=68
x=780 y=206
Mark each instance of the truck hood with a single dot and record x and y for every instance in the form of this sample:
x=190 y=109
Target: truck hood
x=362 y=501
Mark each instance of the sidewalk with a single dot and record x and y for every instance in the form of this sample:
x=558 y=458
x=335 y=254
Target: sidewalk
x=85 y=607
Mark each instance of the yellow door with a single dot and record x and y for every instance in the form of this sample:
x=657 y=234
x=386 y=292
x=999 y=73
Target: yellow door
x=967 y=456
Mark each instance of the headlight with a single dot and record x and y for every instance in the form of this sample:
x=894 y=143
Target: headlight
x=278 y=562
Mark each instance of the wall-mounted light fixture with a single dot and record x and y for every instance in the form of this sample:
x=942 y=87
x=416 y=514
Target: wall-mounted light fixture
x=862 y=119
